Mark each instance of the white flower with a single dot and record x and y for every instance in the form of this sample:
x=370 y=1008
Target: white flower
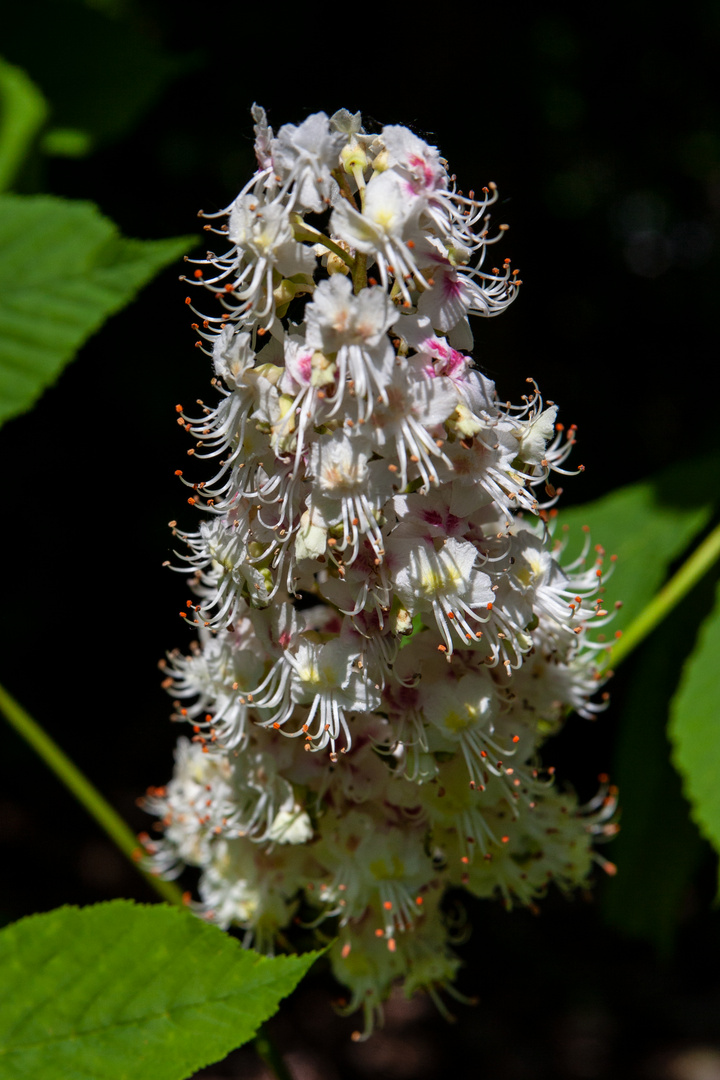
x=387 y=228
x=420 y=164
x=350 y=491
x=407 y=425
x=445 y=581
x=353 y=329
x=264 y=242
x=383 y=640
x=305 y=156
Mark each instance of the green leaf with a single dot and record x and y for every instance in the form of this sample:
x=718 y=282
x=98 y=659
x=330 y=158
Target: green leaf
x=120 y=991
x=64 y=268
x=648 y=526
x=695 y=727
x=22 y=113
x=658 y=848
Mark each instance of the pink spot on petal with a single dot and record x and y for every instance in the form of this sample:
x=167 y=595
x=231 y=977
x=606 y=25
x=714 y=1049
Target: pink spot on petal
x=451 y=286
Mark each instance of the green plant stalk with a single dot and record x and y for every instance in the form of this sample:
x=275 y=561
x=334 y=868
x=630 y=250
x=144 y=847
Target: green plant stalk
x=99 y=809
x=85 y=792
x=359 y=275
x=668 y=598
x=303 y=231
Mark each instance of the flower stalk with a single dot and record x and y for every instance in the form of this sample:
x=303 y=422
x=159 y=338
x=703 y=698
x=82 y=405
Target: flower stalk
x=85 y=792
x=692 y=570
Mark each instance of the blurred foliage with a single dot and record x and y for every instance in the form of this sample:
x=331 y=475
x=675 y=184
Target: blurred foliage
x=101 y=69
x=22 y=113
x=648 y=526
x=695 y=727
x=66 y=259
x=658 y=849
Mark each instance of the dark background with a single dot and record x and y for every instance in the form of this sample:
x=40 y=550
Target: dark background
x=602 y=131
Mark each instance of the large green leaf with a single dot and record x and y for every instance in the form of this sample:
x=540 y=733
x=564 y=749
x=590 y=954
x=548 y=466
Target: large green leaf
x=648 y=526
x=695 y=728
x=120 y=991
x=658 y=848
x=63 y=269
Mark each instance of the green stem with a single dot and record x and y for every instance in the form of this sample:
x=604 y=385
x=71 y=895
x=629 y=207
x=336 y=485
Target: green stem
x=303 y=231
x=85 y=792
x=669 y=596
x=360 y=272
x=99 y=809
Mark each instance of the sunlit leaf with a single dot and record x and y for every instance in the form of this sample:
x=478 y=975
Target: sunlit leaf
x=64 y=268
x=120 y=991
x=695 y=728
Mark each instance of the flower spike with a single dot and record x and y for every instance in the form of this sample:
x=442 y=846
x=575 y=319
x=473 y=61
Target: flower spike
x=385 y=631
